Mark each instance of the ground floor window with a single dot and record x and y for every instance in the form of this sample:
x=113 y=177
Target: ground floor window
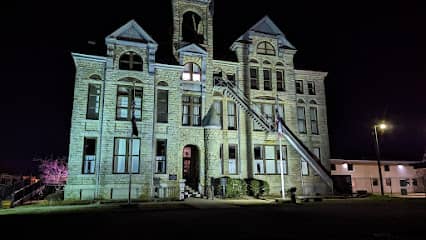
x=89 y=157
x=161 y=156
x=267 y=159
x=233 y=159
x=126 y=150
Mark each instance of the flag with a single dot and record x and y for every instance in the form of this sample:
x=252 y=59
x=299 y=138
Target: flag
x=134 y=127
x=279 y=124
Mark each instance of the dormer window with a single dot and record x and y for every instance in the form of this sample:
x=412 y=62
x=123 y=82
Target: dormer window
x=130 y=61
x=265 y=48
x=191 y=72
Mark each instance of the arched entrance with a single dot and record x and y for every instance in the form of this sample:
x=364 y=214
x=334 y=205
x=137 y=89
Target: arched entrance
x=191 y=166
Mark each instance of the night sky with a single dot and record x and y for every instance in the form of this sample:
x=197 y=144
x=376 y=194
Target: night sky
x=374 y=54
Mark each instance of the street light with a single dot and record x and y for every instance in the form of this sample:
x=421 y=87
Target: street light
x=382 y=126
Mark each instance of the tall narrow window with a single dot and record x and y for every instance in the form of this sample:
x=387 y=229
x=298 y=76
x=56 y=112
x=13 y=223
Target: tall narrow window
x=130 y=61
x=254 y=84
x=191 y=110
x=267 y=83
x=93 y=101
x=268 y=112
x=125 y=150
x=256 y=125
x=162 y=105
x=258 y=159
x=191 y=72
x=270 y=165
x=280 y=80
x=305 y=169
x=311 y=88
x=222 y=164
x=217 y=79
x=281 y=112
x=232 y=116
x=233 y=159
x=314 y=120
x=217 y=104
x=301 y=120
x=317 y=152
x=125 y=96
x=161 y=156
x=299 y=86
x=89 y=155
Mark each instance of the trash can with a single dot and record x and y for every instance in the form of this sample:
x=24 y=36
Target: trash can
x=293 y=194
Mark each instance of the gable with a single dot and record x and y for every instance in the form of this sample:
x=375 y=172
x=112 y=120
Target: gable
x=266 y=27
x=193 y=48
x=130 y=32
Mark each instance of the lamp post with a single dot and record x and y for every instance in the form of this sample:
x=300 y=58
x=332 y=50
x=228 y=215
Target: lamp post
x=382 y=126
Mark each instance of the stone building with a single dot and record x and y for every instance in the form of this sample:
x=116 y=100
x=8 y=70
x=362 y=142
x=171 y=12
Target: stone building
x=198 y=117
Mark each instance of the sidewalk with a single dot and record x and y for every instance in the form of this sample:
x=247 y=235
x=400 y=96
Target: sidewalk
x=201 y=203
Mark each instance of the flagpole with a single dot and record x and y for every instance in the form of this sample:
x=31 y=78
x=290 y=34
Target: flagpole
x=130 y=161
x=279 y=131
x=282 y=169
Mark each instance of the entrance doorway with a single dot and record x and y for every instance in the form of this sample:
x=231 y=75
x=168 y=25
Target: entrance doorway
x=191 y=166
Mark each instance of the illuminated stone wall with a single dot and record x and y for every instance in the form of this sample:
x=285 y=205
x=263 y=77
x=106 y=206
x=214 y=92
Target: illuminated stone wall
x=208 y=141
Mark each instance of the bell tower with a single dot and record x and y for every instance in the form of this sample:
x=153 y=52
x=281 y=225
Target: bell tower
x=193 y=23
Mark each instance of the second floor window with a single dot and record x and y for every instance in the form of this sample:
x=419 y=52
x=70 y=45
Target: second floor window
x=232 y=116
x=93 y=101
x=125 y=98
x=301 y=119
x=280 y=80
x=191 y=72
x=254 y=84
x=191 y=110
x=299 y=86
x=267 y=81
x=130 y=61
x=162 y=106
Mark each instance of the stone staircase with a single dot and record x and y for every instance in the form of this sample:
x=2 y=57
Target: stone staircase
x=190 y=192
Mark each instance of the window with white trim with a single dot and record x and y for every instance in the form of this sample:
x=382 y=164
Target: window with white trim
x=191 y=72
x=125 y=150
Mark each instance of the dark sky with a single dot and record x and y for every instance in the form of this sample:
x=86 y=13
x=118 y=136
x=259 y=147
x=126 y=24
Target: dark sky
x=374 y=54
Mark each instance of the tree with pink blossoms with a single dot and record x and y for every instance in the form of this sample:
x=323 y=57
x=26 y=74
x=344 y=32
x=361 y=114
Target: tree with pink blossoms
x=53 y=172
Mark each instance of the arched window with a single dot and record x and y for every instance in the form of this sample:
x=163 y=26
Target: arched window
x=313 y=102
x=192 y=28
x=265 y=48
x=266 y=63
x=191 y=72
x=254 y=61
x=130 y=61
x=300 y=101
x=279 y=64
x=95 y=77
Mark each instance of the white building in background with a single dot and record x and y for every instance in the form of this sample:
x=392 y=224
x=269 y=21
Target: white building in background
x=399 y=177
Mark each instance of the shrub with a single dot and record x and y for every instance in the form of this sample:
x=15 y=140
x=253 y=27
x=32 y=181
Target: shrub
x=55 y=197
x=257 y=188
x=234 y=187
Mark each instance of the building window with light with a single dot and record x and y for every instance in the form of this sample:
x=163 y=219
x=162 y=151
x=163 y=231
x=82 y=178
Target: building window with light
x=299 y=86
x=267 y=159
x=93 y=101
x=267 y=79
x=311 y=87
x=191 y=72
x=126 y=150
x=125 y=97
x=301 y=119
x=254 y=83
x=130 y=61
x=265 y=48
x=191 y=110
x=280 y=80
x=233 y=159
x=89 y=155
x=161 y=156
